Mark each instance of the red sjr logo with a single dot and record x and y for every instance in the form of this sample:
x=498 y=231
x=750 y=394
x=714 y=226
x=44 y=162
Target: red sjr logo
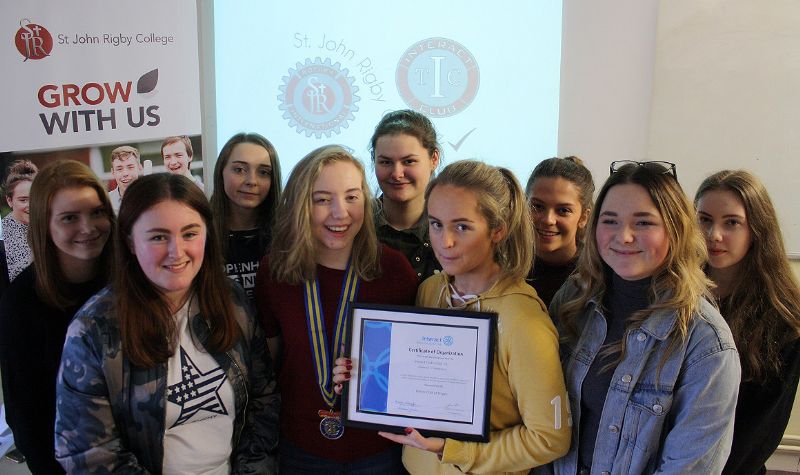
x=33 y=41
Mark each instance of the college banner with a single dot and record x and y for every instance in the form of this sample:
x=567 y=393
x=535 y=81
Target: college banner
x=111 y=84
x=87 y=72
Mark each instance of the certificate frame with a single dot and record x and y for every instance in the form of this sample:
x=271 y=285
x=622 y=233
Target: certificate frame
x=426 y=368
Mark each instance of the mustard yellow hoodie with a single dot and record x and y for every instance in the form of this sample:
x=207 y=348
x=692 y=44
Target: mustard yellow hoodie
x=529 y=420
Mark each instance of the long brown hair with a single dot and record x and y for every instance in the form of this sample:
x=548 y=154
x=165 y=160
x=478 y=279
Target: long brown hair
x=679 y=285
x=763 y=309
x=53 y=178
x=148 y=332
x=292 y=253
x=573 y=170
x=221 y=204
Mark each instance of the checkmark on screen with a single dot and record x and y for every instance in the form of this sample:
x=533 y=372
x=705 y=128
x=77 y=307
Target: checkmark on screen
x=458 y=144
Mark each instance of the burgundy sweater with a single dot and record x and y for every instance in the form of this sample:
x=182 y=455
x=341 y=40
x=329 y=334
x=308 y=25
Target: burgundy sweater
x=282 y=313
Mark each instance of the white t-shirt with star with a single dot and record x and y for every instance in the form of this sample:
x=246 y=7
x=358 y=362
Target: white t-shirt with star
x=200 y=408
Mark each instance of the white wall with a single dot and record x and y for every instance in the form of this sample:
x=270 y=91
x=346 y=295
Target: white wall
x=619 y=98
x=726 y=96
x=607 y=60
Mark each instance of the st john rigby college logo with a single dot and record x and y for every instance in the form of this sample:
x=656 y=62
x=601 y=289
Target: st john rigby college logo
x=318 y=97
x=33 y=41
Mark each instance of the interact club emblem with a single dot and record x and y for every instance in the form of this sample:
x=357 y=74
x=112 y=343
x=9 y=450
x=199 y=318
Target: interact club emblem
x=318 y=98
x=438 y=77
x=33 y=41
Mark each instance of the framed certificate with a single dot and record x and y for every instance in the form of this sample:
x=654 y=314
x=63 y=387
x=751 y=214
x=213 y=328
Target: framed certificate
x=426 y=368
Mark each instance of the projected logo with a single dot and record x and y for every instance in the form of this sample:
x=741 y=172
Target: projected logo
x=318 y=98
x=438 y=77
x=33 y=41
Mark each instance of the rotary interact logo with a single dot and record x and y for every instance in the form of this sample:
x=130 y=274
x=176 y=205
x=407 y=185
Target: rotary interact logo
x=33 y=41
x=438 y=77
x=318 y=97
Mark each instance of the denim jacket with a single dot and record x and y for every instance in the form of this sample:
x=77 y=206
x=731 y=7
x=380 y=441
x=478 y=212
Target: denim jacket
x=678 y=420
x=110 y=414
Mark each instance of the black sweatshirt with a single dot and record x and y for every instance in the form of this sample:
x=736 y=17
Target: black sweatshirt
x=622 y=299
x=31 y=339
x=762 y=413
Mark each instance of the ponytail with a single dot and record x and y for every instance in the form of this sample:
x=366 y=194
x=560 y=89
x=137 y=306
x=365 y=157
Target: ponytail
x=502 y=202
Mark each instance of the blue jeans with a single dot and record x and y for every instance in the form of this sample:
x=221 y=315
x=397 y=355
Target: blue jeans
x=293 y=460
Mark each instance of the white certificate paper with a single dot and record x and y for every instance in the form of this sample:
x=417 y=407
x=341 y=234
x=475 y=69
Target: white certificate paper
x=432 y=371
x=423 y=368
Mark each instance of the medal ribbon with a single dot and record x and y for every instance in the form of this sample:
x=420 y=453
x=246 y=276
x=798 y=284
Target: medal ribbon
x=320 y=350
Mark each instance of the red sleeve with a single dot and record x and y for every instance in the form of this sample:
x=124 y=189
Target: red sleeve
x=263 y=290
x=400 y=276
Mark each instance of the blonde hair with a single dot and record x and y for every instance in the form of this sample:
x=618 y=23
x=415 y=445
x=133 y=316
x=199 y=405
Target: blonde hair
x=123 y=153
x=764 y=303
x=678 y=285
x=502 y=203
x=292 y=253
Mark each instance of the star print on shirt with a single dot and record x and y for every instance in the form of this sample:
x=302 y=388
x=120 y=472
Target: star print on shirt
x=197 y=390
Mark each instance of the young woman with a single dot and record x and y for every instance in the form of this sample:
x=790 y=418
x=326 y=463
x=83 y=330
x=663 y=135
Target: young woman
x=247 y=187
x=325 y=254
x=405 y=155
x=15 y=225
x=559 y=194
x=481 y=233
x=70 y=223
x=758 y=297
x=166 y=371
x=651 y=367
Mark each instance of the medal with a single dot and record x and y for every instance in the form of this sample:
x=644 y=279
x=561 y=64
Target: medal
x=331 y=425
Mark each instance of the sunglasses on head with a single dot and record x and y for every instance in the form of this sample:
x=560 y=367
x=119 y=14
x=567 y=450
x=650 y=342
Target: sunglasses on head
x=656 y=166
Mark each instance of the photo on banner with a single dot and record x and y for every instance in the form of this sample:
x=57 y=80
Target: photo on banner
x=118 y=164
x=79 y=83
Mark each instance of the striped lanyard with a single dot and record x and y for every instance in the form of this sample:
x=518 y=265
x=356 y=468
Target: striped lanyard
x=317 y=336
